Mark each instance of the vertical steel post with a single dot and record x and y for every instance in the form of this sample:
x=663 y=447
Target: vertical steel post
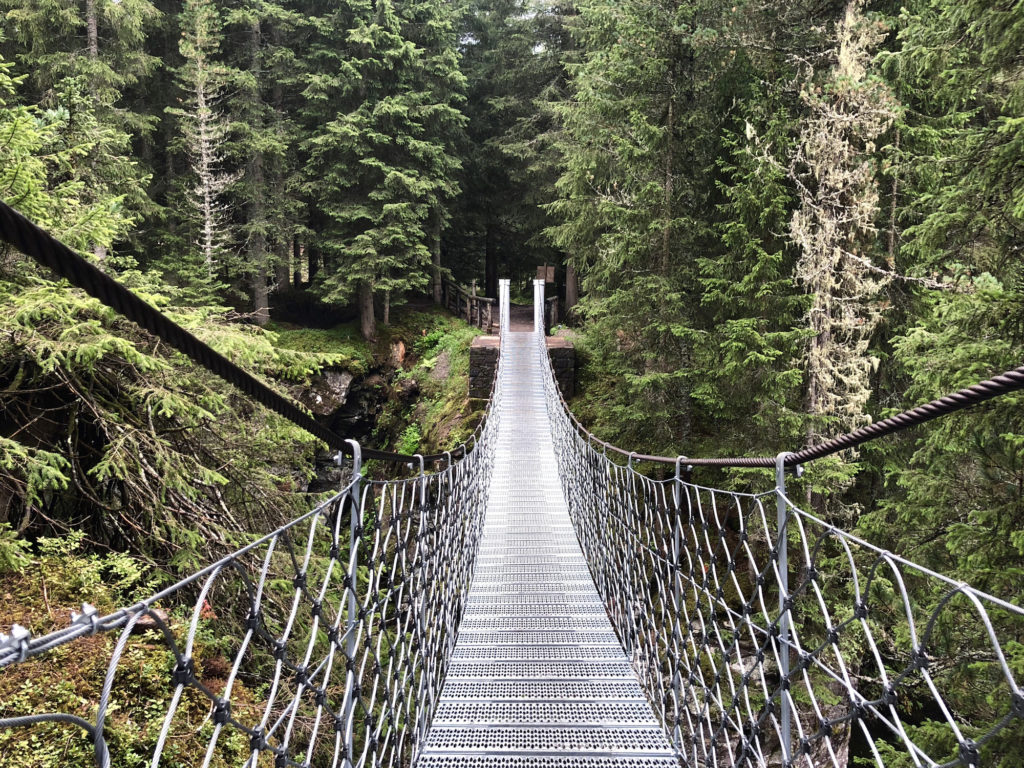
x=677 y=595
x=427 y=670
x=352 y=619
x=504 y=288
x=538 y=306
x=782 y=509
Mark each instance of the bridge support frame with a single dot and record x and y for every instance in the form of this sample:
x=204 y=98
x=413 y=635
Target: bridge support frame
x=352 y=609
x=504 y=291
x=538 y=306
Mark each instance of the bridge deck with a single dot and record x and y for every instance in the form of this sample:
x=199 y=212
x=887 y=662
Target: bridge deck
x=538 y=679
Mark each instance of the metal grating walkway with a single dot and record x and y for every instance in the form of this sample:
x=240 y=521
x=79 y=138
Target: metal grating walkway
x=538 y=678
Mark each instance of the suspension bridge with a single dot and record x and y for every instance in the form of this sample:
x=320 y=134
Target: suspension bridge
x=533 y=600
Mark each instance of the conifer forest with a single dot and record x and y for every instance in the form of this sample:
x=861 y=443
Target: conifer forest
x=771 y=223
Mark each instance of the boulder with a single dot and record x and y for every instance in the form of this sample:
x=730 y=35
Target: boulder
x=327 y=392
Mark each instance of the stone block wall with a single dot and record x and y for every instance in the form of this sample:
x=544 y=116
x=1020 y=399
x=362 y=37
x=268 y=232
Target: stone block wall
x=563 y=361
x=483 y=363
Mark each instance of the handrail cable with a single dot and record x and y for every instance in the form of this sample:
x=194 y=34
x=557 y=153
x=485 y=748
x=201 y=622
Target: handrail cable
x=34 y=242
x=1004 y=383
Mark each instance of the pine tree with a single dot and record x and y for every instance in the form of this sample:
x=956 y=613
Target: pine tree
x=263 y=143
x=83 y=58
x=954 y=489
x=835 y=225
x=382 y=164
x=202 y=129
x=512 y=56
x=637 y=140
x=37 y=174
x=750 y=381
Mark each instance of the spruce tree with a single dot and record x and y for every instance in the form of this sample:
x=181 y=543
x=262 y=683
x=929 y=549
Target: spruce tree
x=512 y=58
x=263 y=145
x=82 y=58
x=636 y=139
x=202 y=135
x=382 y=164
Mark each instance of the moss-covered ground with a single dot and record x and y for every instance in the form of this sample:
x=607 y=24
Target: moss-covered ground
x=424 y=357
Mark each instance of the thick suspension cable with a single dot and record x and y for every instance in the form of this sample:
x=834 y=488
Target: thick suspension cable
x=34 y=242
x=1004 y=383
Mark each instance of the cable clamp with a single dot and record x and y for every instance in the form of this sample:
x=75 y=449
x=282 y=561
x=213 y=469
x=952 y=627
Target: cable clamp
x=89 y=616
x=17 y=641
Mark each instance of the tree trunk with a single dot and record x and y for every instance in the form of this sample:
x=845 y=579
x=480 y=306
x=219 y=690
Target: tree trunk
x=666 y=234
x=92 y=37
x=572 y=291
x=435 y=253
x=282 y=236
x=490 y=262
x=205 y=170
x=296 y=261
x=367 y=319
x=314 y=261
x=282 y=269
x=893 y=204
x=260 y=295
x=387 y=308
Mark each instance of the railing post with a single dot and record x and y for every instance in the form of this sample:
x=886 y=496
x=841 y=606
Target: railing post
x=352 y=619
x=538 y=306
x=504 y=289
x=421 y=628
x=677 y=591
x=782 y=510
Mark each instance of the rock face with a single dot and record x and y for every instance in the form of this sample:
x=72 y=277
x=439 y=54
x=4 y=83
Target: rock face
x=483 y=362
x=563 y=360
x=351 y=405
x=328 y=392
x=397 y=354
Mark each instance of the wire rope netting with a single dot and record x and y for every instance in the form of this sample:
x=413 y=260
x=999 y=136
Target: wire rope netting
x=333 y=632
x=764 y=636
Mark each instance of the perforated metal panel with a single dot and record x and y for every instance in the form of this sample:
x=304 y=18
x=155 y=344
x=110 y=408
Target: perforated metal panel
x=490 y=637
x=467 y=652
x=448 y=760
x=534 y=668
x=561 y=738
x=538 y=678
x=544 y=713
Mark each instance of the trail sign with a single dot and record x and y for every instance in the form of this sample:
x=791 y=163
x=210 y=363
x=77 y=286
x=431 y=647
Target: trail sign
x=546 y=273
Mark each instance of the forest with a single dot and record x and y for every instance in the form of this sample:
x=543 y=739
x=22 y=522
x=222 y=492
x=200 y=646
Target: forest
x=772 y=223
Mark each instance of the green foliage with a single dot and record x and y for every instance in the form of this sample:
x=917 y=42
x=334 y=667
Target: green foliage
x=439 y=416
x=380 y=157
x=57 y=576
x=665 y=147
x=410 y=440
x=151 y=442
x=341 y=346
x=42 y=153
x=13 y=550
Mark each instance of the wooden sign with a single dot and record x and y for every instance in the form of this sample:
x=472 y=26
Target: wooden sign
x=546 y=273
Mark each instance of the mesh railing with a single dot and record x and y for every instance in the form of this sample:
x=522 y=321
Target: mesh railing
x=764 y=636
x=333 y=634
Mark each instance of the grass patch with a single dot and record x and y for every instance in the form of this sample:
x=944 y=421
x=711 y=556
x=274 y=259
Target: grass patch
x=352 y=352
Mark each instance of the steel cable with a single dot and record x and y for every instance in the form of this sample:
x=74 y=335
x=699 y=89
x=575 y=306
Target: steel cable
x=45 y=249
